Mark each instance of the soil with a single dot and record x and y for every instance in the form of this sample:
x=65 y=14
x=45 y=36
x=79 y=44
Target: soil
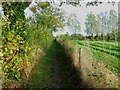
x=55 y=72
x=64 y=75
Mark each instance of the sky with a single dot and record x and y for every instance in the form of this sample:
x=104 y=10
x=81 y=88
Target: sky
x=81 y=13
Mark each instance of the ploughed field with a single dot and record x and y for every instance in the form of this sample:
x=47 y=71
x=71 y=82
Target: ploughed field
x=105 y=52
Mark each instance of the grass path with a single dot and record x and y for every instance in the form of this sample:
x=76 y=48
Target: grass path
x=56 y=80
x=69 y=76
x=41 y=75
x=54 y=71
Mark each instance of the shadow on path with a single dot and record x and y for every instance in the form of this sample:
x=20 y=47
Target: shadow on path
x=54 y=71
x=68 y=75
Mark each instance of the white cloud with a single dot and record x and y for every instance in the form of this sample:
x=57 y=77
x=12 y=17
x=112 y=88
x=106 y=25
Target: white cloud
x=82 y=11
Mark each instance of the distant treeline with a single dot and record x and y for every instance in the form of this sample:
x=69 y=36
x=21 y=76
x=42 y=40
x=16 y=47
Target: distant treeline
x=102 y=26
x=108 y=37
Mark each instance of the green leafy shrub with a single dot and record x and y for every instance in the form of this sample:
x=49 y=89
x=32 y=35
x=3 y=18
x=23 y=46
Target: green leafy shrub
x=15 y=48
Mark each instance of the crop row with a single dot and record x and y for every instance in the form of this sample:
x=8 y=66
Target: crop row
x=108 y=51
x=105 y=46
x=108 y=44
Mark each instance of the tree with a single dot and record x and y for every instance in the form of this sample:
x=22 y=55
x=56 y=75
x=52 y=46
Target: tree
x=46 y=14
x=113 y=21
x=108 y=25
x=90 y=3
x=91 y=25
x=74 y=23
x=118 y=27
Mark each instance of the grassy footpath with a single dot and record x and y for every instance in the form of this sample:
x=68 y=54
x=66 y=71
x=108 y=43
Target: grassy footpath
x=41 y=75
x=69 y=76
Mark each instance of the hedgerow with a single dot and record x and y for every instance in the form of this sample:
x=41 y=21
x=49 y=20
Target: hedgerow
x=19 y=39
x=14 y=45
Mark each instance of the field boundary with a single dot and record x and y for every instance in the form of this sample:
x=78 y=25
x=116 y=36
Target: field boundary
x=93 y=74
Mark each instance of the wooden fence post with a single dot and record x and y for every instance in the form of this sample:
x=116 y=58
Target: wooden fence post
x=80 y=54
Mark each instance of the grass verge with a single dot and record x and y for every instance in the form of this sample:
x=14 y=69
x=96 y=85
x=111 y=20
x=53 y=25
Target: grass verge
x=41 y=75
